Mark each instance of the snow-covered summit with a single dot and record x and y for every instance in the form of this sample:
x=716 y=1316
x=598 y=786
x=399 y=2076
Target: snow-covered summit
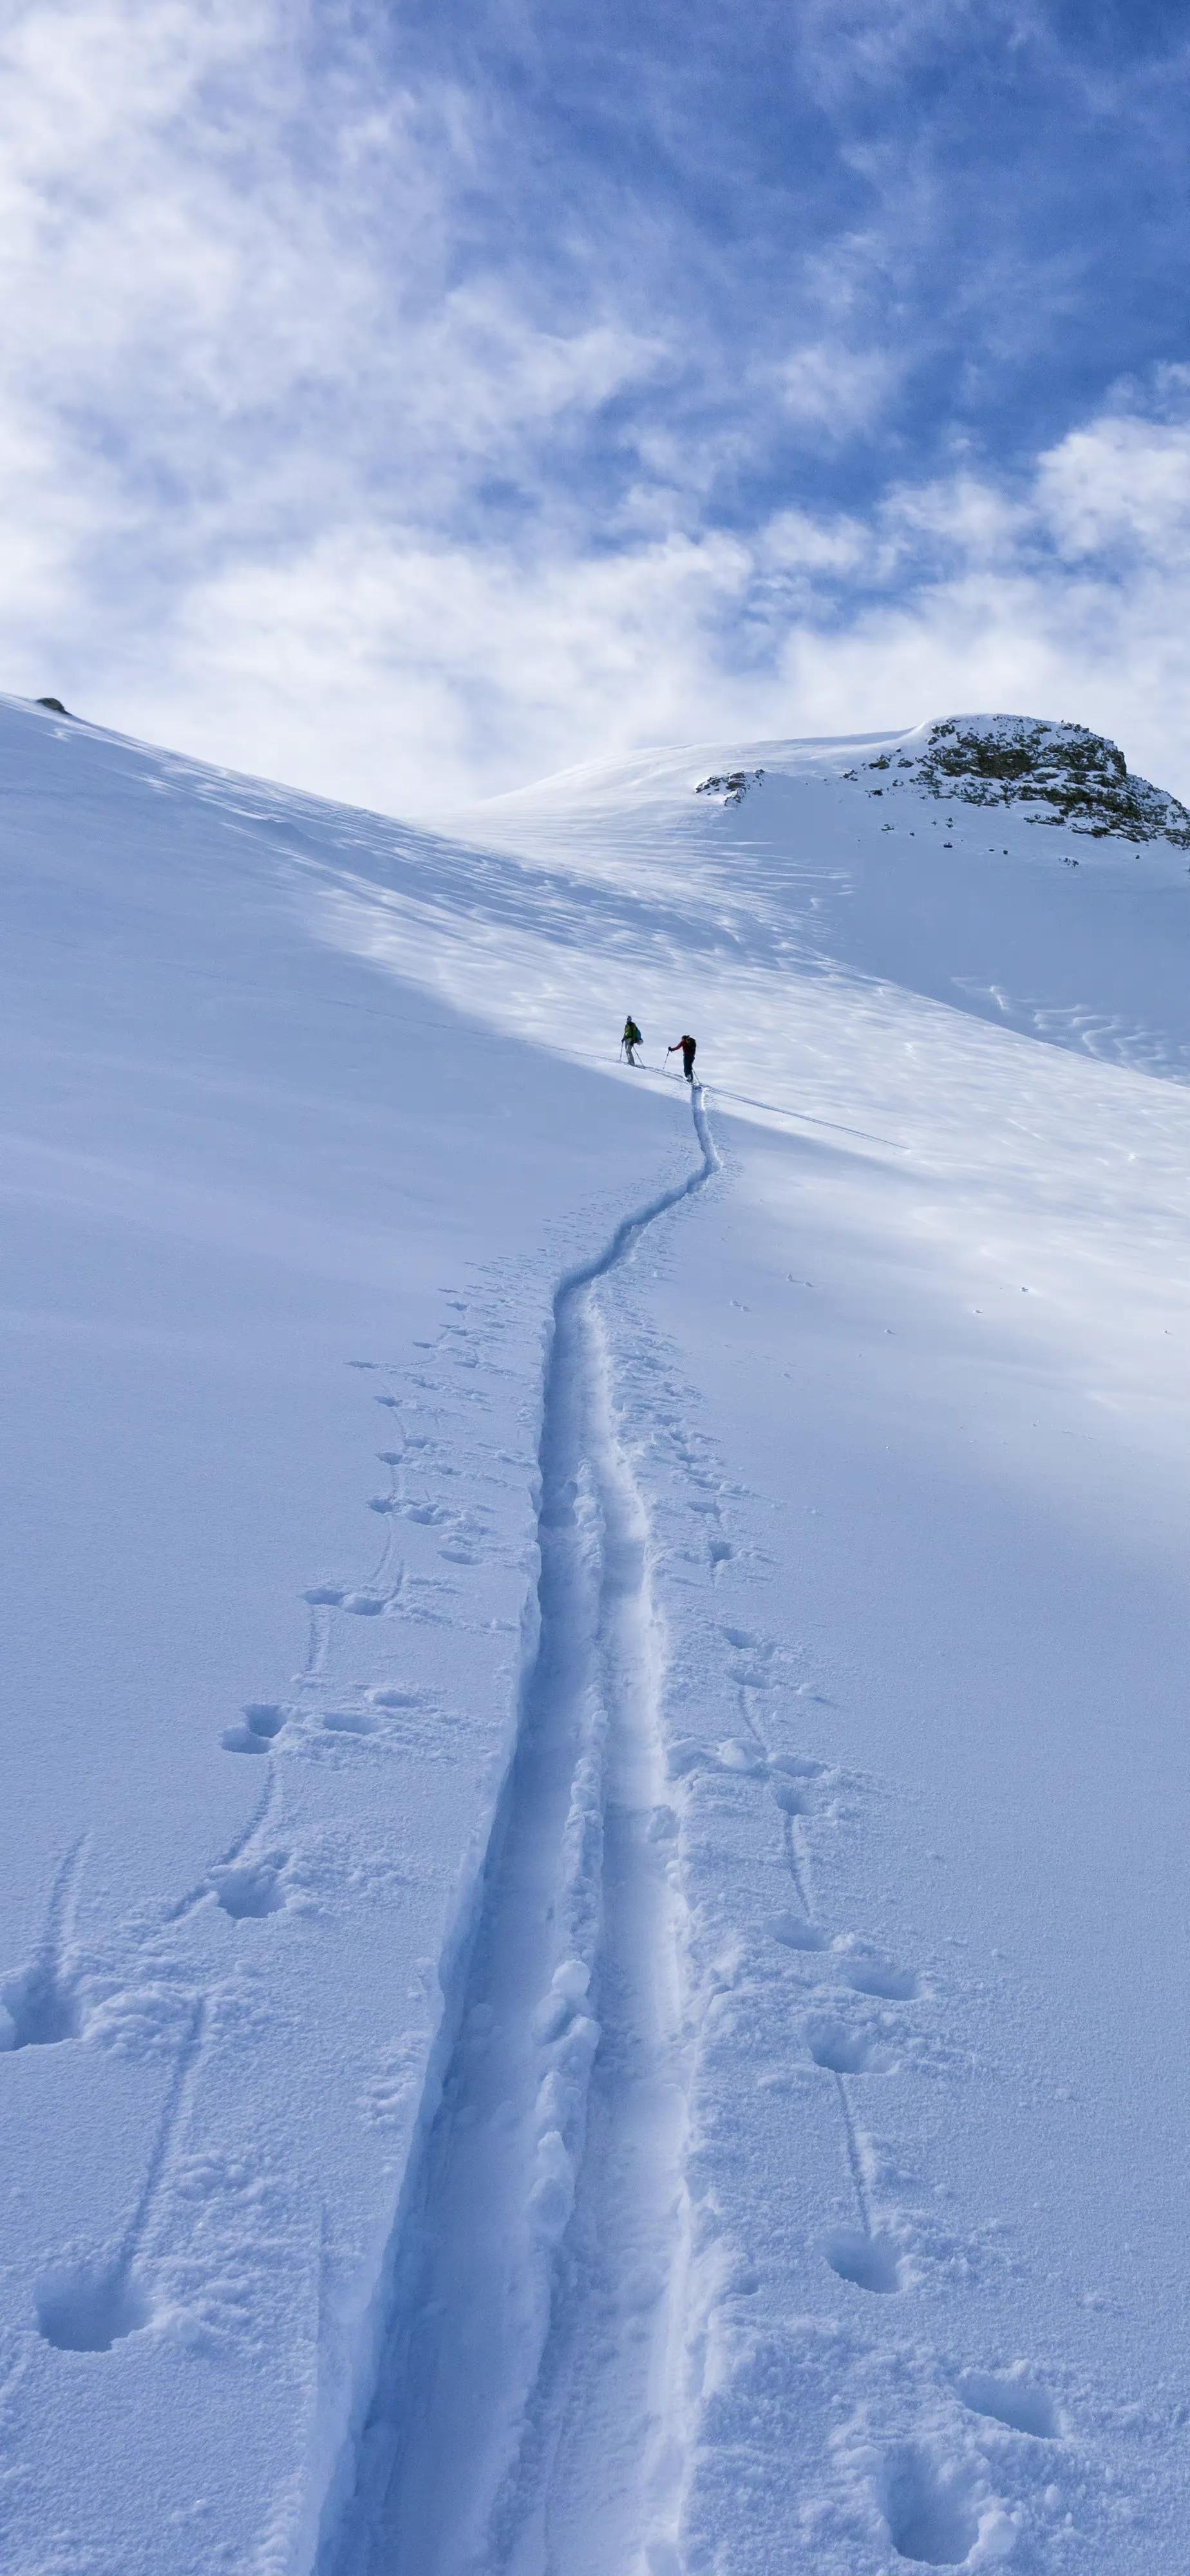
x=1062 y=774
x=911 y=857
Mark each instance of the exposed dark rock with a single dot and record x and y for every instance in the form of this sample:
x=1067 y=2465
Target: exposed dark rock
x=1075 y=779
x=55 y=706
x=732 y=787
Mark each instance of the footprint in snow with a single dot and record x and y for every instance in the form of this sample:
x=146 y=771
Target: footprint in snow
x=751 y=1677
x=83 y=2307
x=250 y=1889
x=881 y=1978
x=795 y=1933
x=1013 y=2400
x=735 y=1755
x=335 y=1596
x=88 y=2303
x=790 y=1798
x=39 y=2006
x=262 y=1723
x=928 y=2507
x=37 y=2009
x=847 y=2049
x=868 y=2262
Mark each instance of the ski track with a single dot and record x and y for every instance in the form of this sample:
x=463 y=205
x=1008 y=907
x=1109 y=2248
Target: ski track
x=90 y=2300
x=864 y=2259
x=530 y=2407
x=238 y=1851
x=915 y=2460
x=521 y=2414
x=88 y=2305
x=40 y=1999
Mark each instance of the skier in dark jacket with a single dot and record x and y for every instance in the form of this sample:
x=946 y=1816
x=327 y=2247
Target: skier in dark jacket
x=631 y=1038
x=689 y=1048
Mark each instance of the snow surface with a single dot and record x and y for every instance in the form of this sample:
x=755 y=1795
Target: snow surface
x=594 y=1916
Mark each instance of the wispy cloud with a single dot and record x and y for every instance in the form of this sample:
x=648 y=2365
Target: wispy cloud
x=407 y=406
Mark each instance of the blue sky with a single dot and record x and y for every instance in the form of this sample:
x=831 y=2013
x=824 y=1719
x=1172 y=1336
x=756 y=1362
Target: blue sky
x=408 y=401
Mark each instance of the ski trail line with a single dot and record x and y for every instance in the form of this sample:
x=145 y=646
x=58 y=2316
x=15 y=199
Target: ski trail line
x=88 y=2306
x=854 y=2160
x=262 y=1814
x=527 y=2371
x=598 y=2460
x=798 y=1870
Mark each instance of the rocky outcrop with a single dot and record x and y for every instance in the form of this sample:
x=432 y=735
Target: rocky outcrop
x=733 y=786
x=1067 y=775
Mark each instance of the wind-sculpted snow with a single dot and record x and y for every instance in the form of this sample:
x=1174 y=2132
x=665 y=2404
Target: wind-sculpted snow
x=593 y=1918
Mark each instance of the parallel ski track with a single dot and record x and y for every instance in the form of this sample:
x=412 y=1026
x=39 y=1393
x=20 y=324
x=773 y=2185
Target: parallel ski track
x=520 y=2418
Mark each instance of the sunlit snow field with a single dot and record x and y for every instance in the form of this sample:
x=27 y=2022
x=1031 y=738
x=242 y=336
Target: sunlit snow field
x=594 y=1926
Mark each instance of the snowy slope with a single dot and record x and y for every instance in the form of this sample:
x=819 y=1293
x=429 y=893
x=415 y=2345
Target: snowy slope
x=808 y=861
x=594 y=1973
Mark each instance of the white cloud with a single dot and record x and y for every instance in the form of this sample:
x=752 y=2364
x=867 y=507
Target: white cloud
x=1063 y=599
x=1121 y=482
x=399 y=672
x=848 y=43
x=835 y=388
x=292 y=463
x=408 y=674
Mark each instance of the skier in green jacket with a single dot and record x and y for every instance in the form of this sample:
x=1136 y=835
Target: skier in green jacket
x=631 y=1038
